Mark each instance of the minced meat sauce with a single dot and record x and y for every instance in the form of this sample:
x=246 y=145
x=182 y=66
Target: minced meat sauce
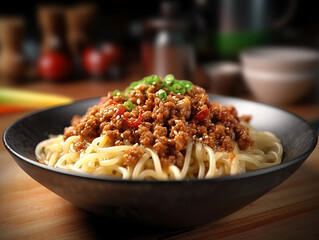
x=165 y=124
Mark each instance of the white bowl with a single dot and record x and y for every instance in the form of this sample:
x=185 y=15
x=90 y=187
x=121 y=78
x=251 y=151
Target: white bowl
x=279 y=75
x=278 y=88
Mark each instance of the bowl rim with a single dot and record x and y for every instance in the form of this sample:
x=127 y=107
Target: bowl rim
x=249 y=54
x=268 y=76
x=300 y=158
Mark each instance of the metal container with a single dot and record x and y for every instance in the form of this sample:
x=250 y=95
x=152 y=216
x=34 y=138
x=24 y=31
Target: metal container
x=166 y=48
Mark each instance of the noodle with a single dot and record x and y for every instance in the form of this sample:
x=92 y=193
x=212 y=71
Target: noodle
x=200 y=160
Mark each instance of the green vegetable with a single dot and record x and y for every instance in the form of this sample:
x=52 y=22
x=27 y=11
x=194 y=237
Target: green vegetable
x=162 y=94
x=187 y=84
x=132 y=86
x=151 y=80
x=179 y=88
x=165 y=85
x=128 y=105
x=168 y=82
x=169 y=79
x=135 y=84
x=116 y=92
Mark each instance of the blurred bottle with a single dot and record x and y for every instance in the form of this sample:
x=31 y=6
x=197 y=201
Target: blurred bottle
x=13 y=62
x=166 y=45
x=246 y=23
x=52 y=23
x=80 y=19
x=54 y=62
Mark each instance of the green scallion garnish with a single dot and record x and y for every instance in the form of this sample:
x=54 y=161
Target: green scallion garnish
x=169 y=79
x=187 y=84
x=162 y=94
x=129 y=106
x=116 y=92
x=151 y=80
x=179 y=88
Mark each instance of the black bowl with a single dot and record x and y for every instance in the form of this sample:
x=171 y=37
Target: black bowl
x=183 y=203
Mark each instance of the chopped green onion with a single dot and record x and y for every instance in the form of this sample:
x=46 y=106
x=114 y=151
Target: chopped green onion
x=151 y=80
x=187 y=84
x=116 y=92
x=179 y=88
x=169 y=79
x=128 y=105
x=135 y=84
x=145 y=80
x=165 y=85
x=162 y=94
x=168 y=82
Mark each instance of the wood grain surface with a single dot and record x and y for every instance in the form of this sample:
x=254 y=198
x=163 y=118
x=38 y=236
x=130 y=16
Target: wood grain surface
x=30 y=211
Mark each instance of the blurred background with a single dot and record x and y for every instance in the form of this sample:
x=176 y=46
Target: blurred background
x=266 y=50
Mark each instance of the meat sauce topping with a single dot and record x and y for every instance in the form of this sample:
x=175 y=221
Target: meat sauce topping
x=162 y=114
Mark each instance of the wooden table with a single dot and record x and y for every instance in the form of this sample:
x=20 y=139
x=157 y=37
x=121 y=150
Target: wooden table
x=30 y=211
